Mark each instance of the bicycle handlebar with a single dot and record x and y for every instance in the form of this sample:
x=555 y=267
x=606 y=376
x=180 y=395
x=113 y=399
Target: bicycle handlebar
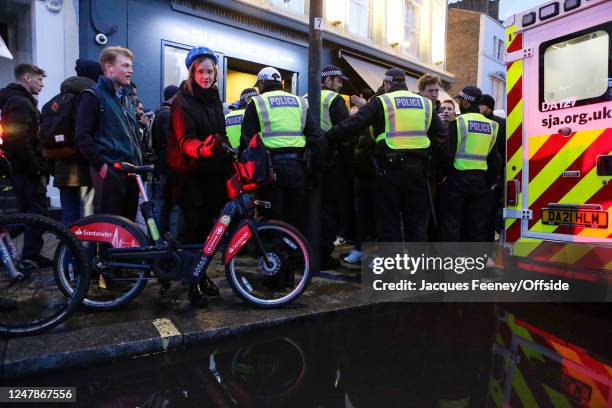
x=130 y=168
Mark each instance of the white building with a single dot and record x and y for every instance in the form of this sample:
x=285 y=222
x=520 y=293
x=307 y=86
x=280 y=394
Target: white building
x=44 y=33
x=491 y=69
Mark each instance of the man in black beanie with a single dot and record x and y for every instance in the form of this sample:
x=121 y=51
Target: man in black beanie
x=71 y=175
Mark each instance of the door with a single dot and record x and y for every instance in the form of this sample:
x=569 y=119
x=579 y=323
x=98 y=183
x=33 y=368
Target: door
x=568 y=128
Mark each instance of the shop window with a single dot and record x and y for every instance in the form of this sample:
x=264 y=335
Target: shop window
x=412 y=16
x=586 y=82
x=175 y=71
x=359 y=17
x=236 y=82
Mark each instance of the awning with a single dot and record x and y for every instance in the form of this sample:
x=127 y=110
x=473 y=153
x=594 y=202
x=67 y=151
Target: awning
x=373 y=74
x=4 y=51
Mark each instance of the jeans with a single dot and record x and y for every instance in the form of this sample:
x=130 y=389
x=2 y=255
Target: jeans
x=77 y=202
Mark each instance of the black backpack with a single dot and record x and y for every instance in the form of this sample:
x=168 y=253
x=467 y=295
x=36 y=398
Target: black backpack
x=57 y=126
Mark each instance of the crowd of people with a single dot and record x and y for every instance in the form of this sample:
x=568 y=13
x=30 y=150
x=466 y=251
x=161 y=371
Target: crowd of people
x=397 y=166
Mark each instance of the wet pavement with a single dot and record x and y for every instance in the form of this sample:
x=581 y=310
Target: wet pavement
x=154 y=323
x=393 y=355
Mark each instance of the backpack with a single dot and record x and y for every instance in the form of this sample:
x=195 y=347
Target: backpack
x=56 y=133
x=255 y=163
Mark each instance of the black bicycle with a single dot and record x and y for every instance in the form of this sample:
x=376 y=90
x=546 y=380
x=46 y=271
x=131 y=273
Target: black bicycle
x=267 y=262
x=30 y=300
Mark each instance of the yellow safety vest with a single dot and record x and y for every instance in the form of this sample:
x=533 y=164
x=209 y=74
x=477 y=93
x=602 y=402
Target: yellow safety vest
x=476 y=137
x=282 y=118
x=327 y=97
x=407 y=119
x=233 y=124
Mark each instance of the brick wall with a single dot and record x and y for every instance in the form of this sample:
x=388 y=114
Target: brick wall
x=462 y=47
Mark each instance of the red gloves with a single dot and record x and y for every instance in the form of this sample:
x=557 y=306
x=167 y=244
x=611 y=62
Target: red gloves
x=211 y=146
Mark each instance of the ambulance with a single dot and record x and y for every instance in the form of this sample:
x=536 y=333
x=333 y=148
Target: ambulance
x=558 y=209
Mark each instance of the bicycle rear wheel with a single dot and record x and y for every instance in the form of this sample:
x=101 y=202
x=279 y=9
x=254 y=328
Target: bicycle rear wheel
x=30 y=300
x=284 y=278
x=111 y=287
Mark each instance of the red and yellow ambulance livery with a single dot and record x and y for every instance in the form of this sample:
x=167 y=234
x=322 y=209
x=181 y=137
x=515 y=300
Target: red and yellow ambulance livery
x=558 y=212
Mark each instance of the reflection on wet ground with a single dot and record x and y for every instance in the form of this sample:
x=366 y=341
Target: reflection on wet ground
x=396 y=355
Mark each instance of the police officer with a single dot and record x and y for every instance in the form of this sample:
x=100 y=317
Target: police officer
x=233 y=120
x=284 y=122
x=406 y=131
x=335 y=198
x=465 y=196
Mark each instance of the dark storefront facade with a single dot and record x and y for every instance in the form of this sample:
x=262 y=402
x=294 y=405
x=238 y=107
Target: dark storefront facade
x=245 y=37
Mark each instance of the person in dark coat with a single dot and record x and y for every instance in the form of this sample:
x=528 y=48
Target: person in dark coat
x=161 y=131
x=106 y=134
x=71 y=175
x=20 y=122
x=199 y=126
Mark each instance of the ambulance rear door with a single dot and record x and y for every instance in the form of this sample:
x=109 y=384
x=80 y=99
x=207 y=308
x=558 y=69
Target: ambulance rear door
x=567 y=156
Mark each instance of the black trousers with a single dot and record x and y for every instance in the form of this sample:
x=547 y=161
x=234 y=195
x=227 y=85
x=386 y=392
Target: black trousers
x=365 y=210
x=402 y=201
x=116 y=194
x=465 y=207
x=31 y=194
x=287 y=193
x=331 y=208
x=202 y=198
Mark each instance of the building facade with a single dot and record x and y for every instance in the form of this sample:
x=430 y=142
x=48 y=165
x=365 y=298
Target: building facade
x=488 y=7
x=476 y=53
x=364 y=37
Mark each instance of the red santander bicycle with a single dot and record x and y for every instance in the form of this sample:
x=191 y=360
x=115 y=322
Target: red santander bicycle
x=267 y=262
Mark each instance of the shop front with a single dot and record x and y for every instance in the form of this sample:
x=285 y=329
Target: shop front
x=245 y=39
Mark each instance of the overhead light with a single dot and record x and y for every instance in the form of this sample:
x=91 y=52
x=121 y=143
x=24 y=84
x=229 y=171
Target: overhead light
x=528 y=19
x=549 y=11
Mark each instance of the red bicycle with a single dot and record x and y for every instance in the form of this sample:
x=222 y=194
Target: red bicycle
x=267 y=262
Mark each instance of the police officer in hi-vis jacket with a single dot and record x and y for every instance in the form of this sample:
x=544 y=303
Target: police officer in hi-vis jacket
x=284 y=122
x=233 y=120
x=465 y=195
x=407 y=131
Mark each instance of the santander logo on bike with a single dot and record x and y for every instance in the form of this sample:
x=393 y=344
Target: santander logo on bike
x=245 y=235
x=92 y=233
x=214 y=238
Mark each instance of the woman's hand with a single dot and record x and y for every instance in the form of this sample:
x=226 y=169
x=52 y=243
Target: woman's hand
x=211 y=146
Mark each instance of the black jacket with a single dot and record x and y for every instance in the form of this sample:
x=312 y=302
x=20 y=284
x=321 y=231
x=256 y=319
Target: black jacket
x=72 y=172
x=494 y=163
x=20 y=121
x=194 y=118
x=372 y=113
x=250 y=125
x=161 y=130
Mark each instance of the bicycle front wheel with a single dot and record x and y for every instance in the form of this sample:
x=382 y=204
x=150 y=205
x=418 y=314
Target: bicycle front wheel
x=30 y=300
x=279 y=280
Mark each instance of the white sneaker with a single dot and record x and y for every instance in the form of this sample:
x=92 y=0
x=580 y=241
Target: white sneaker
x=339 y=241
x=353 y=257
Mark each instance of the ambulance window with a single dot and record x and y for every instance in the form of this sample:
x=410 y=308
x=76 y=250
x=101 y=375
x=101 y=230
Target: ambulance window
x=575 y=67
